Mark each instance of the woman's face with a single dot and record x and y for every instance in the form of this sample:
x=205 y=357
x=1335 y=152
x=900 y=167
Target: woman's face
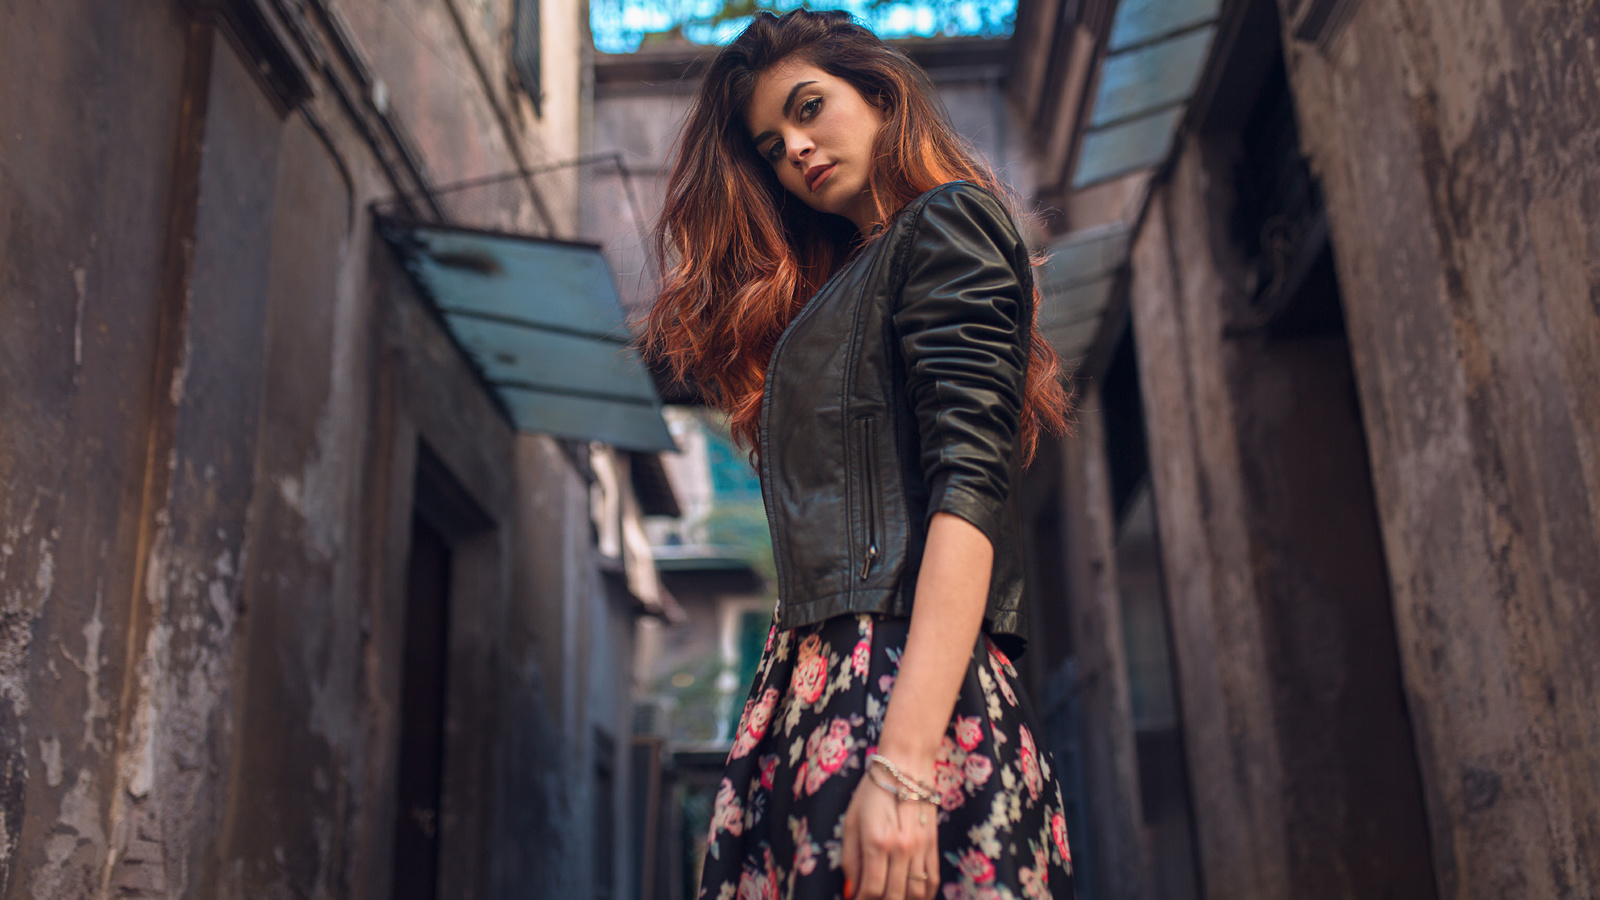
x=817 y=132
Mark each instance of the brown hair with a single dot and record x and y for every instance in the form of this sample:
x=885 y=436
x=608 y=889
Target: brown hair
x=740 y=255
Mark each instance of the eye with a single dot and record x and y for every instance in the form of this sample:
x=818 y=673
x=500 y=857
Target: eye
x=810 y=107
x=773 y=152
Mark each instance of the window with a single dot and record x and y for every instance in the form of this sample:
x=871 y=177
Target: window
x=525 y=51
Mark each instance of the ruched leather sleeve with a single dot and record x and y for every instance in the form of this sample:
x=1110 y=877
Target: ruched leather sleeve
x=962 y=321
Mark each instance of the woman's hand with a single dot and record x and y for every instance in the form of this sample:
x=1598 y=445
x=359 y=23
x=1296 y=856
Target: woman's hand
x=886 y=840
x=888 y=843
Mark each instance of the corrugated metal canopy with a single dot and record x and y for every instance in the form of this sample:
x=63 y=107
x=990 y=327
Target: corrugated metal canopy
x=542 y=322
x=1156 y=53
x=1141 y=21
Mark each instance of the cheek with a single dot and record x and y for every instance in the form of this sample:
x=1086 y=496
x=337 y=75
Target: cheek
x=792 y=180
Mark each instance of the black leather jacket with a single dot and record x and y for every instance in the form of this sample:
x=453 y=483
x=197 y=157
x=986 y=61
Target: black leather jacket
x=896 y=393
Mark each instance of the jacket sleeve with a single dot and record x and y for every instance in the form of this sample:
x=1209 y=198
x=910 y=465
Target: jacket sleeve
x=962 y=321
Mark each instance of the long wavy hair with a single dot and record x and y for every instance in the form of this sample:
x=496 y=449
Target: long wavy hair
x=740 y=255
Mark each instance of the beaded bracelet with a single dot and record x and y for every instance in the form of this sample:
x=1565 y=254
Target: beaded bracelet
x=912 y=789
x=894 y=790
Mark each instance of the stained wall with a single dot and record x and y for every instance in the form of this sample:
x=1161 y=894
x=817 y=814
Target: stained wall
x=224 y=403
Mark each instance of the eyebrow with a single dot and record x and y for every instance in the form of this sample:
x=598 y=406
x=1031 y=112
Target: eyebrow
x=788 y=104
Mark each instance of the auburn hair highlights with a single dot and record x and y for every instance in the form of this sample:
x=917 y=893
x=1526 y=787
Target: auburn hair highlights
x=740 y=256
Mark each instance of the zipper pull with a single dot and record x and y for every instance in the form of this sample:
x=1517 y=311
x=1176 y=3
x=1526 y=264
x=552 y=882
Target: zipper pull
x=872 y=555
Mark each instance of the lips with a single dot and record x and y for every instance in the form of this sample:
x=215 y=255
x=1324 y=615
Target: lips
x=816 y=174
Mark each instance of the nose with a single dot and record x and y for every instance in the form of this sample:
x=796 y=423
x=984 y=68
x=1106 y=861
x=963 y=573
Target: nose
x=799 y=147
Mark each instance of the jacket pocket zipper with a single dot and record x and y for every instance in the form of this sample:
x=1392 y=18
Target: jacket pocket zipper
x=869 y=466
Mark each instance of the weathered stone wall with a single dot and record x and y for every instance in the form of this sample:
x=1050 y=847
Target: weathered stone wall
x=1097 y=644
x=1456 y=144
x=1176 y=297
x=218 y=384
x=1299 y=750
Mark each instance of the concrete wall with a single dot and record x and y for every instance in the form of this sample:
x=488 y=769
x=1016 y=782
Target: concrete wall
x=641 y=99
x=1456 y=143
x=220 y=391
x=1300 y=755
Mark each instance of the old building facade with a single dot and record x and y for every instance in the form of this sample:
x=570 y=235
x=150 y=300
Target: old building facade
x=293 y=600
x=1328 y=515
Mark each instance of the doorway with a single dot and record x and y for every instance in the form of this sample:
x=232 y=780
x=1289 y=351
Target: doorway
x=422 y=714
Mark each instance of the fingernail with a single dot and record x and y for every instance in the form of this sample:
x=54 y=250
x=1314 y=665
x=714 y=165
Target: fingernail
x=849 y=889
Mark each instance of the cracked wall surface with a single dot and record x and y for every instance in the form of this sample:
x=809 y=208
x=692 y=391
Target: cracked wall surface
x=216 y=383
x=1456 y=143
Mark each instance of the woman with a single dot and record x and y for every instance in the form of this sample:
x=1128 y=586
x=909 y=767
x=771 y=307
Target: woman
x=845 y=284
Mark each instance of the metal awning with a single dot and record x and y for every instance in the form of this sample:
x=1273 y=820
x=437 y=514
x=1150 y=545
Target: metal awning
x=1153 y=63
x=1077 y=282
x=541 y=320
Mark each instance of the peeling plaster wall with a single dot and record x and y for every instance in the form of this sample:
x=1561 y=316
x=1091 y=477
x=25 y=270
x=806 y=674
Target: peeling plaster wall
x=81 y=269
x=216 y=379
x=1456 y=144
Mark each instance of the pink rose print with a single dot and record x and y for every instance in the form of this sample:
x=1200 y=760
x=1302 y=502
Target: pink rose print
x=809 y=647
x=1029 y=758
x=1058 y=832
x=957 y=772
x=951 y=800
x=757 y=715
x=772 y=635
x=727 y=813
x=977 y=769
x=811 y=673
x=826 y=752
x=999 y=654
x=1035 y=882
x=976 y=866
x=835 y=748
x=1001 y=681
x=755 y=884
x=885 y=682
x=805 y=852
x=769 y=765
x=968 y=732
x=860 y=656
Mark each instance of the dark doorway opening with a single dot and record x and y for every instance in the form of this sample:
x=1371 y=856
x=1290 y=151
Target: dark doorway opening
x=422 y=714
x=1166 y=811
x=445 y=524
x=1352 y=787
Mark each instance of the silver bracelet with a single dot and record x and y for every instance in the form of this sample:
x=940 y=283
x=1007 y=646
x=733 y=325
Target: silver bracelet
x=913 y=789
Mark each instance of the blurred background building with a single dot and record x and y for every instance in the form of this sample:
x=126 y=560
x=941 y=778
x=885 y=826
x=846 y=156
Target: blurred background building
x=346 y=551
x=324 y=468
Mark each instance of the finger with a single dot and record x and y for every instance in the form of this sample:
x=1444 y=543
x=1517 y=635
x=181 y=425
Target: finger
x=898 y=871
x=876 y=834
x=850 y=843
x=930 y=857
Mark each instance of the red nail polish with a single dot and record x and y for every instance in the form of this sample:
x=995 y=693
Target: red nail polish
x=849 y=889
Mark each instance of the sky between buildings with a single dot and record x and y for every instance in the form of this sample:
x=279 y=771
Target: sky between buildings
x=620 y=26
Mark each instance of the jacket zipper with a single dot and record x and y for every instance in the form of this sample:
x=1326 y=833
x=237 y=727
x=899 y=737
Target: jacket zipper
x=765 y=466
x=870 y=466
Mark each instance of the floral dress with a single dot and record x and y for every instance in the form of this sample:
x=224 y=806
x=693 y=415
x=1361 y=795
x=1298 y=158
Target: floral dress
x=814 y=713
